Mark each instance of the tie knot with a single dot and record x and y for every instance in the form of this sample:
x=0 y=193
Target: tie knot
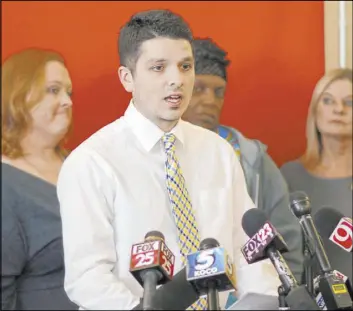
x=169 y=142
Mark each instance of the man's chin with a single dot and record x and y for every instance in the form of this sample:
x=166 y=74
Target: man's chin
x=171 y=118
x=173 y=115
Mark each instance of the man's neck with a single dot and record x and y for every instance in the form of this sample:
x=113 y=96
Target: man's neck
x=165 y=125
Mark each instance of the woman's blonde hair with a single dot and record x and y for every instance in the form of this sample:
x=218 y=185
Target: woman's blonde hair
x=313 y=151
x=22 y=73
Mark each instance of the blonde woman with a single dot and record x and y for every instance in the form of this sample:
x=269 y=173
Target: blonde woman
x=36 y=117
x=324 y=172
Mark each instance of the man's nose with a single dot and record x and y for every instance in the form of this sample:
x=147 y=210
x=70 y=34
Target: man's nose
x=209 y=96
x=175 y=78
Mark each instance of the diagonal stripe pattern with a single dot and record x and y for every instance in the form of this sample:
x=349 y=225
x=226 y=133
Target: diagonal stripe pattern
x=188 y=235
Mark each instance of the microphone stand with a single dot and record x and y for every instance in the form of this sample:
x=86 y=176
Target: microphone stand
x=282 y=305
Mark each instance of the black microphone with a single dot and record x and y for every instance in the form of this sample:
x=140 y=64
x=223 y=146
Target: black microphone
x=309 y=251
x=210 y=270
x=152 y=264
x=265 y=239
x=178 y=294
x=332 y=225
x=319 y=297
x=264 y=243
x=301 y=208
x=333 y=290
x=336 y=233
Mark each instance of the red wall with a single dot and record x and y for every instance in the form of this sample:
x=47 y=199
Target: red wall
x=276 y=49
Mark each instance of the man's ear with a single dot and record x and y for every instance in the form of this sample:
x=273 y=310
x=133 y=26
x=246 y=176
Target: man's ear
x=126 y=78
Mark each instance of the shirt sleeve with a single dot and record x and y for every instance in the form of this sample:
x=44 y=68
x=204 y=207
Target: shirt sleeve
x=13 y=254
x=86 y=195
x=259 y=277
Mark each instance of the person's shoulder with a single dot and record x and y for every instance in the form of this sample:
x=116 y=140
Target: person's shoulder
x=101 y=140
x=293 y=170
x=291 y=165
x=106 y=134
x=206 y=137
x=247 y=144
x=10 y=185
x=9 y=172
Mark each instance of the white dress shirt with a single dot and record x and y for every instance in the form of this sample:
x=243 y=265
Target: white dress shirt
x=112 y=191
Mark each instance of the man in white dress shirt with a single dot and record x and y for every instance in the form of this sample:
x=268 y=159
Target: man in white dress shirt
x=113 y=187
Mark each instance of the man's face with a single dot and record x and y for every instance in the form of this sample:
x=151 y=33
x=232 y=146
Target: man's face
x=163 y=80
x=206 y=102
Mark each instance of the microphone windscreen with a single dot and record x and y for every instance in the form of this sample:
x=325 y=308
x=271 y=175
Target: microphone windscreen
x=298 y=196
x=253 y=220
x=299 y=203
x=208 y=243
x=326 y=219
x=154 y=235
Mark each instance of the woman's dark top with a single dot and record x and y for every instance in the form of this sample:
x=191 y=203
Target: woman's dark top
x=32 y=251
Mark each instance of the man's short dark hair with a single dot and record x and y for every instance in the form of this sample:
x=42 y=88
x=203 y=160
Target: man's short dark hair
x=210 y=59
x=147 y=25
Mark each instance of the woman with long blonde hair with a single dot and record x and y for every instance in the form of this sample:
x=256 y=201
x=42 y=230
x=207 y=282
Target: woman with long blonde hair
x=324 y=172
x=35 y=118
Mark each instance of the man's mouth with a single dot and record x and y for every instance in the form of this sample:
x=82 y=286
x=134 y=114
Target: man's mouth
x=174 y=99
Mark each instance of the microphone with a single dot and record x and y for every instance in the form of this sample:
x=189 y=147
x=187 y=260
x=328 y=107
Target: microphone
x=320 y=299
x=254 y=249
x=210 y=271
x=346 y=281
x=263 y=244
x=266 y=242
x=152 y=264
x=334 y=227
x=338 y=229
x=333 y=290
x=178 y=294
x=301 y=208
x=309 y=252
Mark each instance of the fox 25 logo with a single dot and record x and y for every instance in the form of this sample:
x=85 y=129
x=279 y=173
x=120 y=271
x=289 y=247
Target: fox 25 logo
x=204 y=262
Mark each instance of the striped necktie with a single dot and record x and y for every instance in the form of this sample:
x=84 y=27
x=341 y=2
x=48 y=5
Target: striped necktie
x=188 y=235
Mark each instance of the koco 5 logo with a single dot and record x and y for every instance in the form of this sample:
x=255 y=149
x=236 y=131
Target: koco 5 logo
x=204 y=262
x=342 y=235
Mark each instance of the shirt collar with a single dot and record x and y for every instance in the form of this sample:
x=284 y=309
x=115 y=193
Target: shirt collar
x=146 y=131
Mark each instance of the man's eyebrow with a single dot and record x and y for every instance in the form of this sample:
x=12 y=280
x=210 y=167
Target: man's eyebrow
x=162 y=60
x=156 y=60
x=188 y=59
